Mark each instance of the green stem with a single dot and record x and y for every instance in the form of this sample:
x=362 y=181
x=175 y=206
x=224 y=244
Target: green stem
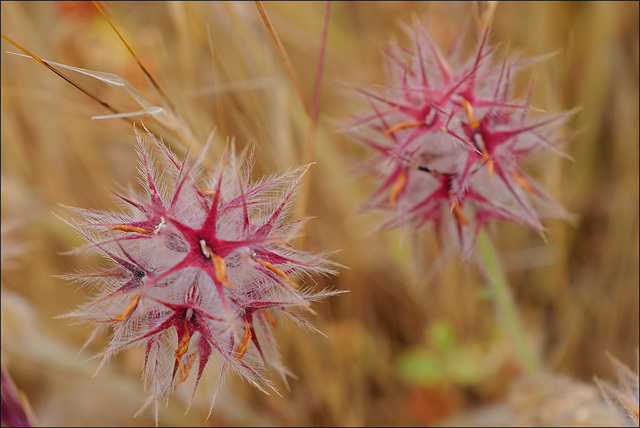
x=505 y=305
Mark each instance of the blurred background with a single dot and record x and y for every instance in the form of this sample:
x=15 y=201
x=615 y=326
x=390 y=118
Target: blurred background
x=405 y=346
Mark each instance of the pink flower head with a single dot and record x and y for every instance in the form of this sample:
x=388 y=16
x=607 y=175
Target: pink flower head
x=450 y=141
x=199 y=273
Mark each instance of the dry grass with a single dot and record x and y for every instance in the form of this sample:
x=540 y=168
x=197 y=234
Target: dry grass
x=578 y=295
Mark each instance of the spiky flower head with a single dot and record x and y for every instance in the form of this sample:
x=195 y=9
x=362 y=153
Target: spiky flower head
x=450 y=139
x=200 y=269
x=622 y=397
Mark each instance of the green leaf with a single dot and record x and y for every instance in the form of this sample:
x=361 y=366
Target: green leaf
x=421 y=367
x=441 y=336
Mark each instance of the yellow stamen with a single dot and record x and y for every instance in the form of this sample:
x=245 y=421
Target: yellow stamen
x=207 y=192
x=459 y=214
x=184 y=370
x=243 y=346
x=402 y=125
x=132 y=306
x=397 y=187
x=278 y=271
x=125 y=228
x=474 y=124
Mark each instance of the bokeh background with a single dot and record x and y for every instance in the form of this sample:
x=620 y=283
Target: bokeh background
x=407 y=345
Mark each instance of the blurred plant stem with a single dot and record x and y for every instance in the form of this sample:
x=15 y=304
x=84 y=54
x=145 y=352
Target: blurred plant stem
x=506 y=307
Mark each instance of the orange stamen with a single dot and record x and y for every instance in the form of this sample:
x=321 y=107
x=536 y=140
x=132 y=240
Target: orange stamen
x=132 y=306
x=207 y=192
x=401 y=181
x=459 y=214
x=125 y=228
x=479 y=141
x=402 y=125
x=270 y=318
x=219 y=267
x=282 y=241
x=523 y=182
x=183 y=345
x=243 y=346
x=474 y=124
x=489 y=162
x=278 y=271
x=468 y=109
x=184 y=370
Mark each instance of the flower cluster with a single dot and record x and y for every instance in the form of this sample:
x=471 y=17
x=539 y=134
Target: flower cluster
x=450 y=140
x=199 y=275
